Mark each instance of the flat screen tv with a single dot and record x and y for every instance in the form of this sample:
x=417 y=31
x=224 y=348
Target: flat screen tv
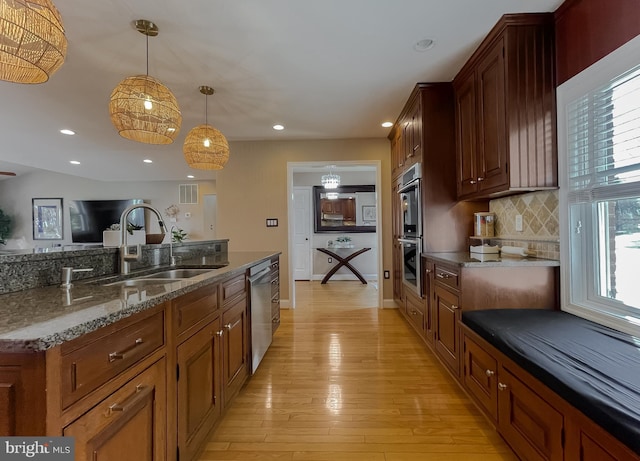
x=90 y=217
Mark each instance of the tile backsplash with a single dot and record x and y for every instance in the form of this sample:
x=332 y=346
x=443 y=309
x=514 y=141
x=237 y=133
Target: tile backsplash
x=540 y=227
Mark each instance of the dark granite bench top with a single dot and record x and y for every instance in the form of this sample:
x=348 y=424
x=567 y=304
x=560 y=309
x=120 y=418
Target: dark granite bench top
x=594 y=368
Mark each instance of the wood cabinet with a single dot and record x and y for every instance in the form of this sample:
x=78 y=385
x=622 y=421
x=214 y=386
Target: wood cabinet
x=456 y=288
x=505 y=111
x=199 y=402
x=415 y=311
x=129 y=424
x=445 y=340
x=235 y=348
x=150 y=386
x=537 y=423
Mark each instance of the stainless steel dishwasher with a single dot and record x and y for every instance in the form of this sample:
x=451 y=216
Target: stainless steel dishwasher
x=260 y=297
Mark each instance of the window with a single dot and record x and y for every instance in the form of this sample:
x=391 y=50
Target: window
x=599 y=155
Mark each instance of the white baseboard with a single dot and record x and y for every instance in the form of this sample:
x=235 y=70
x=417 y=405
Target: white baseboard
x=389 y=304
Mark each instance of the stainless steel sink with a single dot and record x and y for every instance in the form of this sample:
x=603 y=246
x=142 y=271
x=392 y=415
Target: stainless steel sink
x=176 y=274
x=137 y=282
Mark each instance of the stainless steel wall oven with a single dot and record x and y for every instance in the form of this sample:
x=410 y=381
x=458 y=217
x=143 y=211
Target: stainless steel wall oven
x=411 y=239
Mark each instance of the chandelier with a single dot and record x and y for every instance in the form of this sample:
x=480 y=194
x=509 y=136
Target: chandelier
x=141 y=107
x=32 y=41
x=205 y=147
x=330 y=181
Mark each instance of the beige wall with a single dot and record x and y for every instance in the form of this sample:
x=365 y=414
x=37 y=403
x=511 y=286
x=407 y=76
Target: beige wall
x=253 y=187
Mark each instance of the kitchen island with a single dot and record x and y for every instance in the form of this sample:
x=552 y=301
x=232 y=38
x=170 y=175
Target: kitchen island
x=108 y=362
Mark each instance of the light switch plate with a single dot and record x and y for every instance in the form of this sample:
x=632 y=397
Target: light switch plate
x=519 y=223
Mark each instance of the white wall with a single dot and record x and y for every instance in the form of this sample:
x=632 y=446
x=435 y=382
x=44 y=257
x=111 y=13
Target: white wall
x=16 y=194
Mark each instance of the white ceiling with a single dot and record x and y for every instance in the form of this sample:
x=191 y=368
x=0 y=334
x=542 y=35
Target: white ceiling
x=323 y=69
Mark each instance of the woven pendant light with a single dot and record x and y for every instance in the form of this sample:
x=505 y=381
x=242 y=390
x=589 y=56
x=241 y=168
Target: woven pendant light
x=32 y=41
x=205 y=147
x=141 y=107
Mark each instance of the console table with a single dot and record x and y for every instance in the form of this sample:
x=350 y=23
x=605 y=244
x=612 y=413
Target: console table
x=343 y=261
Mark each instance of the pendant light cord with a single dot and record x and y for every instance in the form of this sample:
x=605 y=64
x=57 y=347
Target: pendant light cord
x=147 y=54
x=206 y=107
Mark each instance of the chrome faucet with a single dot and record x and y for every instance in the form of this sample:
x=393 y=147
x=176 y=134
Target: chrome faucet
x=171 y=257
x=125 y=256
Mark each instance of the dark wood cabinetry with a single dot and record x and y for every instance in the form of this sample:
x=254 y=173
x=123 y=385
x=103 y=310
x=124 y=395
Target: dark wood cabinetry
x=130 y=423
x=537 y=423
x=505 y=111
x=446 y=312
x=235 y=348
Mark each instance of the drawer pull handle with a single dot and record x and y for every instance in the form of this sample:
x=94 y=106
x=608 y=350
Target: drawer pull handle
x=130 y=402
x=455 y=306
x=220 y=333
x=228 y=326
x=489 y=373
x=113 y=356
x=472 y=182
x=480 y=179
x=442 y=275
x=502 y=387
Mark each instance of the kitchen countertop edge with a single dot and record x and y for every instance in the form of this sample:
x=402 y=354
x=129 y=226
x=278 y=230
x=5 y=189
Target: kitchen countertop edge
x=464 y=259
x=48 y=333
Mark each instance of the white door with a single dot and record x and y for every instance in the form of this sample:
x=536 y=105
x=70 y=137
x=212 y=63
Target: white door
x=302 y=233
x=209 y=216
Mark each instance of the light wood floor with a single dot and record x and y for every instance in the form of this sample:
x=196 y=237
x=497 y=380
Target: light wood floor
x=344 y=380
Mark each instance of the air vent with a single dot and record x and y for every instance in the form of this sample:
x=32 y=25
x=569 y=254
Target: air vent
x=188 y=194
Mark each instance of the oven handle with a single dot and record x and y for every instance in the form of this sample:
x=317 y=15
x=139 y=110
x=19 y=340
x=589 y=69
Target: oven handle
x=410 y=185
x=415 y=242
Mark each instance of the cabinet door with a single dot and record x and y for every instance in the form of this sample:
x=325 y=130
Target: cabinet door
x=429 y=294
x=397 y=154
x=414 y=310
x=129 y=425
x=467 y=175
x=413 y=141
x=199 y=404
x=492 y=128
x=532 y=427
x=446 y=333
x=235 y=366
x=480 y=376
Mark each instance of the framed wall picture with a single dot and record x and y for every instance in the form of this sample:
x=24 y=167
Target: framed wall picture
x=369 y=213
x=47 y=218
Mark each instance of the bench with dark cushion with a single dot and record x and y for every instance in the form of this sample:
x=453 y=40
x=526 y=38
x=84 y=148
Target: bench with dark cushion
x=594 y=368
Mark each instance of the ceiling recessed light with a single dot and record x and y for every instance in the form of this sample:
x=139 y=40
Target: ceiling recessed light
x=74 y=162
x=146 y=160
x=68 y=132
x=278 y=127
x=190 y=176
x=424 y=44
x=387 y=124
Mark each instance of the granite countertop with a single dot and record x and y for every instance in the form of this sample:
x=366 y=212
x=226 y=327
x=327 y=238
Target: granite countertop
x=41 y=318
x=468 y=259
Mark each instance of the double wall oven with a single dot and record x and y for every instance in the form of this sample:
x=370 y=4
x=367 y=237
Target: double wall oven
x=411 y=238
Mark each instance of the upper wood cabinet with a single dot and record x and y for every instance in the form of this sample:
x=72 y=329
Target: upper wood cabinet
x=505 y=111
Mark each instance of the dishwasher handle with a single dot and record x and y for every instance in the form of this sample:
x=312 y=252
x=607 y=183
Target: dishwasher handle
x=260 y=274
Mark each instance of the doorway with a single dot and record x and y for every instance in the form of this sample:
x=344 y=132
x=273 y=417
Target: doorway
x=209 y=216
x=297 y=248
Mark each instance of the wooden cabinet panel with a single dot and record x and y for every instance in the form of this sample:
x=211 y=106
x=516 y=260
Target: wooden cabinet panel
x=467 y=167
x=531 y=426
x=93 y=359
x=415 y=312
x=492 y=149
x=429 y=292
x=448 y=276
x=275 y=294
x=233 y=288
x=22 y=394
x=129 y=425
x=235 y=366
x=480 y=376
x=505 y=111
x=198 y=401
x=195 y=309
x=446 y=341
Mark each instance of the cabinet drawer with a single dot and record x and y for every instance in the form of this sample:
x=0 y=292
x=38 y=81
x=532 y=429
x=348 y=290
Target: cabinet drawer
x=128 y=424
x=447 y=276
x=233 y=288
x=480 y=375
x=415 y=310
x=195 y=308
x=529 y=423
x=102 y=357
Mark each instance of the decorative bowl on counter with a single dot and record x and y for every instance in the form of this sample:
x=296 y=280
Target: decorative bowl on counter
x=153 y=239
